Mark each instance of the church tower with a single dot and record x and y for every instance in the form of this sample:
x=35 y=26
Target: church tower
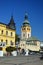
x=11 y=24
x=26 y=28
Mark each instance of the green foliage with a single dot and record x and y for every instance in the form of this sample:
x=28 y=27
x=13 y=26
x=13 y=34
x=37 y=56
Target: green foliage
x=10 y=49
x=42 y=48
x=17 y=38
x=19 y=48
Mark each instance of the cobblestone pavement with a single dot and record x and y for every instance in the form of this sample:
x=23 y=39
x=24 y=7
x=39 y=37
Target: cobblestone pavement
x=21 y=60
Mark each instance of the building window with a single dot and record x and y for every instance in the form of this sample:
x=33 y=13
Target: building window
x=28 y=29
x=0 y=44
x=1 y=48
x=23 y=44
x=6 y=42
x=28 y=35
x=3 y=44
x=6 y=32
x=11 y=33
x=1 y=40
x=2 y=32
x=23 y=28
x=23 y=35
x=11 y=42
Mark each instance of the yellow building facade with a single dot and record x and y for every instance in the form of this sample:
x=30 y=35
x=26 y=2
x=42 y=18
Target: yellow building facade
x=7 y=34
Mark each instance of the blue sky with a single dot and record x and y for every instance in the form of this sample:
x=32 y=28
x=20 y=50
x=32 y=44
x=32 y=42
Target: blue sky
x=34 y=8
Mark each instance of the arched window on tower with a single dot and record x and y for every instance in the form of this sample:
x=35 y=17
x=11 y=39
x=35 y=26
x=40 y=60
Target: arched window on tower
x=23 y=35
x=28 y=35
x=28 y=29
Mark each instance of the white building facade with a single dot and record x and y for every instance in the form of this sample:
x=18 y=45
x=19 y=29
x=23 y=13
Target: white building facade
x=33 y=43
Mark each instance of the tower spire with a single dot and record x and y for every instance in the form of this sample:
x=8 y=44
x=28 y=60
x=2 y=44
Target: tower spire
x=11 y=24
x=26 y=16
x=26 y=22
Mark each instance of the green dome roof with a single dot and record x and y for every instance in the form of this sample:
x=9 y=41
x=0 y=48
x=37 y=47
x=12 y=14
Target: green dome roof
x=32 y=39
x=26 y=22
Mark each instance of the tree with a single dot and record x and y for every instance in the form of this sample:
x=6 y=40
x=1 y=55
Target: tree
x=19 y=48
x=17 y=38
x=42 y=48
x=10 y=49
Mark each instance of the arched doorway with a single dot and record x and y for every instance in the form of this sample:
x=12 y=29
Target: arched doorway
x=23 y=51
x=1 y=48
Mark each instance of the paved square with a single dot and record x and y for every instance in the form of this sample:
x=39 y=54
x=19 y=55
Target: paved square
x=21 y=60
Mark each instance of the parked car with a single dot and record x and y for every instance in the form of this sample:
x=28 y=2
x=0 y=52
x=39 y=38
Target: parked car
x=32 y=53
x=41 y=56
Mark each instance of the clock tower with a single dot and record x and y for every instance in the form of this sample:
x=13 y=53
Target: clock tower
x=26 y=28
